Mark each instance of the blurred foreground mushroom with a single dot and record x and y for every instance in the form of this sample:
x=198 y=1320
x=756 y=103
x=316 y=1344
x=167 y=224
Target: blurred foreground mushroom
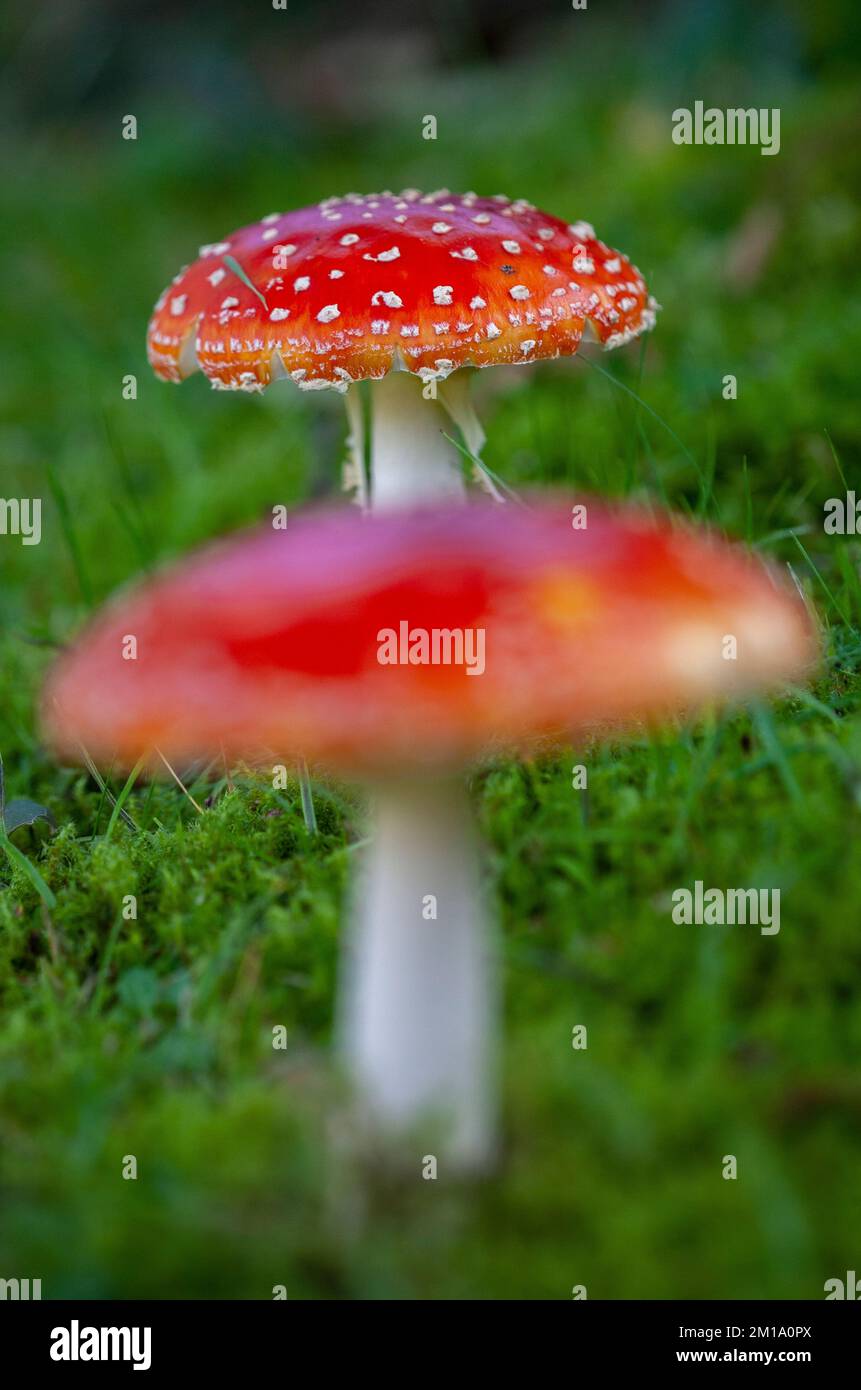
x=396 y=648
x=409 y=291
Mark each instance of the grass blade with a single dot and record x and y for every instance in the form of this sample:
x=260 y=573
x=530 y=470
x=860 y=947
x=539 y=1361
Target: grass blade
x=16 y=857
x=307 y=797
x=822 y=582
x=648 y=409
x=768 y=737
x=123 y=796
x=179 y=782
x=240 y=274
x=65 y=515
x=104 y=788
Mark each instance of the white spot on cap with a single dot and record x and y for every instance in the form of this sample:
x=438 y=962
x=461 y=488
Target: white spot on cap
x=613 y=266
x=271 y=217
x=336 y=274
x=349 y=239
x=441 y=327
x=478 y=303
x=627 y=303
x=482 y=218
x=387 y=297
x=493 y=330
x=269 y=233
x=301 y=283
x=582 y=229
x=527 y=345
x=177 y=304
x=216 y=248
x=441 y=227
x=442 y=294
x=410 y=331
x=328 y=312
x=546 y=233
x=554 y=294
x=286 y=250
x=584 y=265
x=217 y=276
x=550 y=270
x=512 y=246
x=391 y=255
x=379 y=325
x=467 y=254
x=231 y=302
x=278 y=314
x=519 y=292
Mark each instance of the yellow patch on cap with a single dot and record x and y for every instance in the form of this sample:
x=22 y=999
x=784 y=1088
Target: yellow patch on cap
x=565 y=600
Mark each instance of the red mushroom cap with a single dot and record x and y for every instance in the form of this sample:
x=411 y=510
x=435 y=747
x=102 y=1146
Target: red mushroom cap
x=274 y=643
x=350 y=288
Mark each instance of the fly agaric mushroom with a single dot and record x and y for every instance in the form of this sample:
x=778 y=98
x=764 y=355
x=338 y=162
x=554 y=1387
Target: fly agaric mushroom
x=405 y=290
x=397 y=647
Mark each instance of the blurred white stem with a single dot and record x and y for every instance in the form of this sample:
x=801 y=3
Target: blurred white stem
x=418 y=1012
x=411 y=461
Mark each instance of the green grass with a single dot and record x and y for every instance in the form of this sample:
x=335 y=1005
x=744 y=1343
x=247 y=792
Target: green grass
x=152 y=1036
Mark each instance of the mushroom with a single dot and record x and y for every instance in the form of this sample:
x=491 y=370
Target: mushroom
x=407 y=291
x=397 y=647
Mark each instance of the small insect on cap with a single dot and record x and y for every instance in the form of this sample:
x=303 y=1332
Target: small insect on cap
x=423 y=637
x=358 y=285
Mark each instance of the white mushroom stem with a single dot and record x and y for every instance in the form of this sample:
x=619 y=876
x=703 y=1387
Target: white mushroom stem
x=354 y=477
x=418 y=1004
x=411 y=460
x=418 y=1011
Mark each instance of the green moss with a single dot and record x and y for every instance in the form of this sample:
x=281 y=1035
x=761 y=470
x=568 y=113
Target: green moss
x=152 y=1036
